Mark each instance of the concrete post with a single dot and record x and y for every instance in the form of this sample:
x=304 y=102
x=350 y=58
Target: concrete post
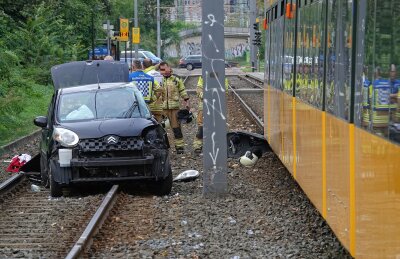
x=214 y=104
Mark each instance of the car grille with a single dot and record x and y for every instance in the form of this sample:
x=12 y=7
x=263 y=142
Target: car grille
x=100 y=144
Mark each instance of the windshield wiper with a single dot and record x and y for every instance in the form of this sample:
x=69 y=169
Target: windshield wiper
x=131 y=109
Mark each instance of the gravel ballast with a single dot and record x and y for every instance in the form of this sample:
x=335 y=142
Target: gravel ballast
x=264 y=215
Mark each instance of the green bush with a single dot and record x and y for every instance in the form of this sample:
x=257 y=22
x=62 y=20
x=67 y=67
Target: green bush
x=20 y=105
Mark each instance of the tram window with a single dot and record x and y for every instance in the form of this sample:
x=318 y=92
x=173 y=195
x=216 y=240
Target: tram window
x=282 y=7
x=310 y=50
x=377 y=106
x=288 y=55
x=338 y=57
x=276 y=11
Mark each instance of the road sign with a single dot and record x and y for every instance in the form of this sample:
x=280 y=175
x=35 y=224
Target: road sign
x=135 y=35
x=123 y=29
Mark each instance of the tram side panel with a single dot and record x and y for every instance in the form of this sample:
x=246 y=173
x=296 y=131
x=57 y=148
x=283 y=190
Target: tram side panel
x=337 y=105
x=288 y=102
x=377 y=117
x=274 y=92
x=351 y=175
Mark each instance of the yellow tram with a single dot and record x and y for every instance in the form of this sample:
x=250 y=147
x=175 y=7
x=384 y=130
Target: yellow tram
x=332 y=113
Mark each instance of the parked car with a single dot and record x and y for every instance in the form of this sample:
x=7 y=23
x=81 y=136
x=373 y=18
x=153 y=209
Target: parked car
x=190 y=62
x=194 y=61
x=99 y=129
x=142 y=54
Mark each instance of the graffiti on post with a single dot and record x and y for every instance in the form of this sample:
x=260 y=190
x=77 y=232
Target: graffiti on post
x=215 y=146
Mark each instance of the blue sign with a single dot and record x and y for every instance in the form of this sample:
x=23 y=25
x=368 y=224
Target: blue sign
x=99 y=52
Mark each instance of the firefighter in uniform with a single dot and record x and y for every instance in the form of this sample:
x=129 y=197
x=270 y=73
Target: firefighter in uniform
x=156 y=107
x=174 y=90
x=198 y=140
x=145 y=83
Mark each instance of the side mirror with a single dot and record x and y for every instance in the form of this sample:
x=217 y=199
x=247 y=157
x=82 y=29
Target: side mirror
x=40 y=121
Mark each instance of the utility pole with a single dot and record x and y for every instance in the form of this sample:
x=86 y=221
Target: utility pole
x=214 y=103
x=158 y=30
x=108 y=37
x=136 y=25
x=253 y=48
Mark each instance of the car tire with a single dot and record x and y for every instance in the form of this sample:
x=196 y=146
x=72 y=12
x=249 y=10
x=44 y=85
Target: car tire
x=44 y=171
x=189 y=67
x=163 y=186
x=55 y=188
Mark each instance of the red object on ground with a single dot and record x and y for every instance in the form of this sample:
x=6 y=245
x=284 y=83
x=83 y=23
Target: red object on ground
x=15 y=165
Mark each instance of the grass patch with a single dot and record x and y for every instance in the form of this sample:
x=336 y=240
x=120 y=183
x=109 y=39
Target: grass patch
x=19 y=106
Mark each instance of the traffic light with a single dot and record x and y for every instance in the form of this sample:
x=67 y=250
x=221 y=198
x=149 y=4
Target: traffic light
x=257 y=35
x=255 y=26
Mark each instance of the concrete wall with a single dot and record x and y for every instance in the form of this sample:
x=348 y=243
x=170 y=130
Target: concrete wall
x=234 y=47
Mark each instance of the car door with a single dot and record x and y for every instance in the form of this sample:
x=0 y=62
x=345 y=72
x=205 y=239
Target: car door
x=47 y=132
x=197 y=61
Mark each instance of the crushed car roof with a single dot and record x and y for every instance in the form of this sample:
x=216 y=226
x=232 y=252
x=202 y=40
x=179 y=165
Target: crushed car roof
x=88 y=72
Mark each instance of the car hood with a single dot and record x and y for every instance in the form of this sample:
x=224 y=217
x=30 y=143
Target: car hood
x=99 y=128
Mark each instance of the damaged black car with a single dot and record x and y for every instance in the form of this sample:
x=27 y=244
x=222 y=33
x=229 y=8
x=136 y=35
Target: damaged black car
x=99 y=129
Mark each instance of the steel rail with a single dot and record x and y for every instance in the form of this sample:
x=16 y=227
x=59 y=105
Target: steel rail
x=85 y=240
x=254 y=116
x=184 y=80
x=251 y=82
x=240 y=90
x=11 y=182
x=254 y=77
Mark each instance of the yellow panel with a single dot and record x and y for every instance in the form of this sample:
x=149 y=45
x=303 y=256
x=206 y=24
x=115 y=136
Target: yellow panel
x=377 y=166
x=309 y=149
x=275 y=121
x=287 y=130
x=266 y=110
x=337 y=177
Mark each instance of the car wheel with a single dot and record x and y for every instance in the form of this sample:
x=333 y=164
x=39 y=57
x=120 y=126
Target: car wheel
x=55 y=188
x=189 y=67
x=44 y=171
x=163 y=187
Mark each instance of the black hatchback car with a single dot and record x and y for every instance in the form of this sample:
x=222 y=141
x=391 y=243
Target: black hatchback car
x=190 y=62
x=194 y=61
x=99 y=129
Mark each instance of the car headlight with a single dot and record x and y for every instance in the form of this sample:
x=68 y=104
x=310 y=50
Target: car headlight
x=151 y=136
x=65 y=137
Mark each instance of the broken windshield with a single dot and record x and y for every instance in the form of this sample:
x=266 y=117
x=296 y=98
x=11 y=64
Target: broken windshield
x=117 y=103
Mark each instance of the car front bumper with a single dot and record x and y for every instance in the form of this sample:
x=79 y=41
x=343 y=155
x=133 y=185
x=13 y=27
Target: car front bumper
x=120 y=161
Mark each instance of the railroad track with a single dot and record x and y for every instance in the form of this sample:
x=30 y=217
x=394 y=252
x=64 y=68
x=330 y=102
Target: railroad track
x=33 y=225
x=86 y=239
x=250 y=96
